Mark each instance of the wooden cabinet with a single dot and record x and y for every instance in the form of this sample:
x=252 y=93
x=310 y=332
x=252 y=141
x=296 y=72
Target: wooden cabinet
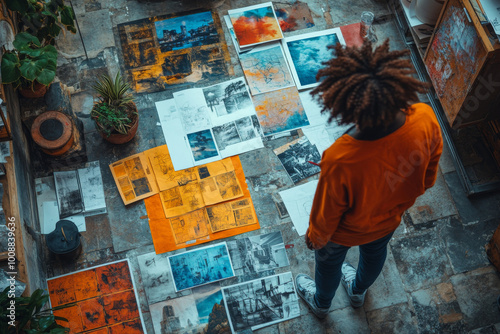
x=463 y=63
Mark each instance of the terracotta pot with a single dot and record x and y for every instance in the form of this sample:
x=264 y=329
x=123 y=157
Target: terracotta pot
x=38 y=90
x=53 y=132
x=118 y=138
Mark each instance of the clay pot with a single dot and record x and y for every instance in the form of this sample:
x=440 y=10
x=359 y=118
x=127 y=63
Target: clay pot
x=118 y=138
x=38 y=90
x=53 y=132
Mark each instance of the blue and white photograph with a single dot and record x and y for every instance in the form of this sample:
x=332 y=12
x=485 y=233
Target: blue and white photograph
x=306 y=53
x=186 y=31
x=202 y=145
x=201 y=266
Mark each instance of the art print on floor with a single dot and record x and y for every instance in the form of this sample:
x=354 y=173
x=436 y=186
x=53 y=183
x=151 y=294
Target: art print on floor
x=266 y=69
x=280 y=110
x=294 y=16
x=296 y=157
x=156 y=278
x=163 y=51
x=306 y=53
x=69 y=197
x=202 y=145
x=201 y=266
x=255 y=24
x=202 y=312
x=255 y=254
x=98 y=299
x=229 y=215
x=261 y=302
x=228 y=97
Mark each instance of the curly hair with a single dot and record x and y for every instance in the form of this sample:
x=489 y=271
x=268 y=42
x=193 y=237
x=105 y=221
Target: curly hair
x=367 y=87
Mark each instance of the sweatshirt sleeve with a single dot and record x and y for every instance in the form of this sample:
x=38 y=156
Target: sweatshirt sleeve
x=433 y=166
x=329 y=204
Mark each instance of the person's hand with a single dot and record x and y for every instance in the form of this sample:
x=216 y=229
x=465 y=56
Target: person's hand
x=311 y=245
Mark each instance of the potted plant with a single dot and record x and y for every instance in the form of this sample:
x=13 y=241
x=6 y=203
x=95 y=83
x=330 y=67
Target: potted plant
x=115 y=114
x=29 y=66
x=30 y=315
x=43 y=18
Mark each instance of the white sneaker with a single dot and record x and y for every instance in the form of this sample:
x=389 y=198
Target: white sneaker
x=306 y=288
x=348 y=277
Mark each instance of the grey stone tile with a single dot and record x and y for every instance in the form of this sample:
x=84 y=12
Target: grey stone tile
x=307 y=323
x=472 y=210
x=421 y=260
x=476 y=293
x=465 y=244
x=344 y=12
x=347 y=320
x=393 y=319
x=485 y=330
x=446 y=161
x=437 y=310
x=98 y=233
x=435 y=203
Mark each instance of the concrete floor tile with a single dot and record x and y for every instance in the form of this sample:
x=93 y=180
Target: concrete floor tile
x=472 y=210
x=477 y=292
x=98 y=233
x=435 y=203
x=91 y=22
x=435 y=315
x=421 y=260
x=465 y=244
x=345 y=12
x=274 y=329
x=347 y=320
x=485 y=330
x=307 y=323
x=393 y=319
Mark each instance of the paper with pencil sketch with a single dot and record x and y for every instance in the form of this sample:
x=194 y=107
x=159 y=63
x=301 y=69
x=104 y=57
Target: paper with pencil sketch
x=190 y=226
x=232 y=214
x=298 y=202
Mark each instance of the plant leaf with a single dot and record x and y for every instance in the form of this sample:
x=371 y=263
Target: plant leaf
x=30 y=69
x=23 y=40
x=10 y=68
x=46 y=322
x=20 y=6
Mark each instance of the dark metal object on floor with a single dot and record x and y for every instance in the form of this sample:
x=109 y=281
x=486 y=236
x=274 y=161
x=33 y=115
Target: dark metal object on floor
x=64 y=240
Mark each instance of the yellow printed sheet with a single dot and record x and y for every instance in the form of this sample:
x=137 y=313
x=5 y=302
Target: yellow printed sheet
x=187 y=190
x=170 y=234
x=134 y=178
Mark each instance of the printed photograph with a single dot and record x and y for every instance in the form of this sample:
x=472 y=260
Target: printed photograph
x=254 y=254
x=226 y=134
x=292 y=17
x=211 y=309
x=280 y=111
x=255 y=24
x=202 y=145
x=186 y=31
x=228 y=97
x=245 y=128
x=297 y=156
x=201 y=266
x=266 y=70
x=306 y=53
x=69 y=197
x=156 y=278
x=261 y=302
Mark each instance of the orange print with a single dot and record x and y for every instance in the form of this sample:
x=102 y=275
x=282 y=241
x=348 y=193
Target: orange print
x=72 y=314
x=120 y=306
x=92 y=312
x=129 y=327
x=114 y=277
x=252 y=30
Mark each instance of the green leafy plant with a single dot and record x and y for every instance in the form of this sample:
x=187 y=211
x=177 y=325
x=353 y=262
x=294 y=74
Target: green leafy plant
x=29 y=62
x=115 y=111
x=30 y=315
x=43 y=18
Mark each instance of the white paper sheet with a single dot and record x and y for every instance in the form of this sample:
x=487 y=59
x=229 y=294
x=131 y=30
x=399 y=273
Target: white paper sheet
x=312 y=109
x=298 y=202
x=50 y=214
x=45 y=192
x=92 y=189
x=229 y=25
x=492 y=11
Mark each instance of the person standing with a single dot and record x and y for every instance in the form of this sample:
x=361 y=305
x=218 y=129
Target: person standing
x=371 y=174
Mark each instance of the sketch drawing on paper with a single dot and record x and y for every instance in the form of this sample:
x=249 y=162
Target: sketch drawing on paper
x=255 y=24
x=228 y=97
x=231 y=214
x=254 y=254
x=201 y=266
x=266 y=70
x=294 y=16
x=220 y=188
x=235 y=132
x=69 y=197
x=189 y=227
x=306 y=54
x=179 y=200
x=280 y=111
x=156 y=277
x=202 y=145
x=298 y=202
x=295 y=157
x=261 y=302
x=92 y=188
x=178 y=315
x=186 y=31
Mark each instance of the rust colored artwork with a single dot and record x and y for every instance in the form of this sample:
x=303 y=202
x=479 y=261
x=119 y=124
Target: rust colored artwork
x=174 y=50
x=97 y=300
x=295 y=16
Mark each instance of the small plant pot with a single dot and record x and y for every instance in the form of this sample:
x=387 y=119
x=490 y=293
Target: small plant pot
x=53 y=132
x=38 y=90
x=118 y=138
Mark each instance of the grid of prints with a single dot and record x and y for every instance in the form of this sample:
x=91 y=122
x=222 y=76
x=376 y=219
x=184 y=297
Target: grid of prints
x=89 y=299
x=261 y=302
x=200 y=266
x=299 y=158
x=255 y=24
x=306 y=53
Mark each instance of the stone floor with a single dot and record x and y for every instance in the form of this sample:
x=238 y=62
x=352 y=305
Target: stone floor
x=437 y=278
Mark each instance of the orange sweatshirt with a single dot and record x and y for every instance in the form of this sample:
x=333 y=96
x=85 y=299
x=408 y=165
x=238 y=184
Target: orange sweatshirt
x=365 y=186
